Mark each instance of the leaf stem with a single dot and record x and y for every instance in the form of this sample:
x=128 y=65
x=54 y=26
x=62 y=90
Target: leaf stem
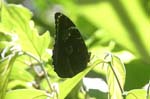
x=111 y=65
x=45 y=73
x=148 y=88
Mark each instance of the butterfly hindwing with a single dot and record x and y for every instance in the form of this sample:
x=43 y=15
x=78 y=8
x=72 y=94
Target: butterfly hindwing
x=70 y=54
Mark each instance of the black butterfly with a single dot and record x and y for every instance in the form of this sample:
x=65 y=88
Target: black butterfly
x=70 y=54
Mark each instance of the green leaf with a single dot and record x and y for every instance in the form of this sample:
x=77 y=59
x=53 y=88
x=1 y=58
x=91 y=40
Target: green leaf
x=137 y=94
x=138 y=74
x=116 y=78
x=20 y=73
x=5 y=69
x=16 y=21
x=5 y=37
x=16 y=18
x=69 y=84
x=26 y=94
x=6 y=41
x=16 y=84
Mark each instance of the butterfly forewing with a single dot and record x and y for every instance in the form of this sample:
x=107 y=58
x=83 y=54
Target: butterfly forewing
x=70 y=54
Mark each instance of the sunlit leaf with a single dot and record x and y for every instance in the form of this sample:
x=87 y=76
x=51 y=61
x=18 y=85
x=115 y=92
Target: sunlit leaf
x=116 y=78
x=5 y=70
x=26 y=94
x=18 y=22
x=137 y=94
x=69 y=84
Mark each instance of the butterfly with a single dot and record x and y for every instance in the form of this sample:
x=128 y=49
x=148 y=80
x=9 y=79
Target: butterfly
x=70 y=54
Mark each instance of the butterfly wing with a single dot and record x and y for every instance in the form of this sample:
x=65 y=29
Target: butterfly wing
x=70 y=54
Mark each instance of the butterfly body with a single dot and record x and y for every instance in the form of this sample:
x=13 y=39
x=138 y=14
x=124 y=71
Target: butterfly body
x=70 y=54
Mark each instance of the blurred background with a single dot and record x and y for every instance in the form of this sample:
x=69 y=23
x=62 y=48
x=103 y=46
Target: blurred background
x=121 y=27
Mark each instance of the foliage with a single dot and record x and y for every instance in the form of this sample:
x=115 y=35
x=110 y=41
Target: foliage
x=117 y=27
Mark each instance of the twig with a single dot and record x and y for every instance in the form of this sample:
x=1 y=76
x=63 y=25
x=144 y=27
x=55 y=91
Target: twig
x=42 y=66
x=148 y=88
